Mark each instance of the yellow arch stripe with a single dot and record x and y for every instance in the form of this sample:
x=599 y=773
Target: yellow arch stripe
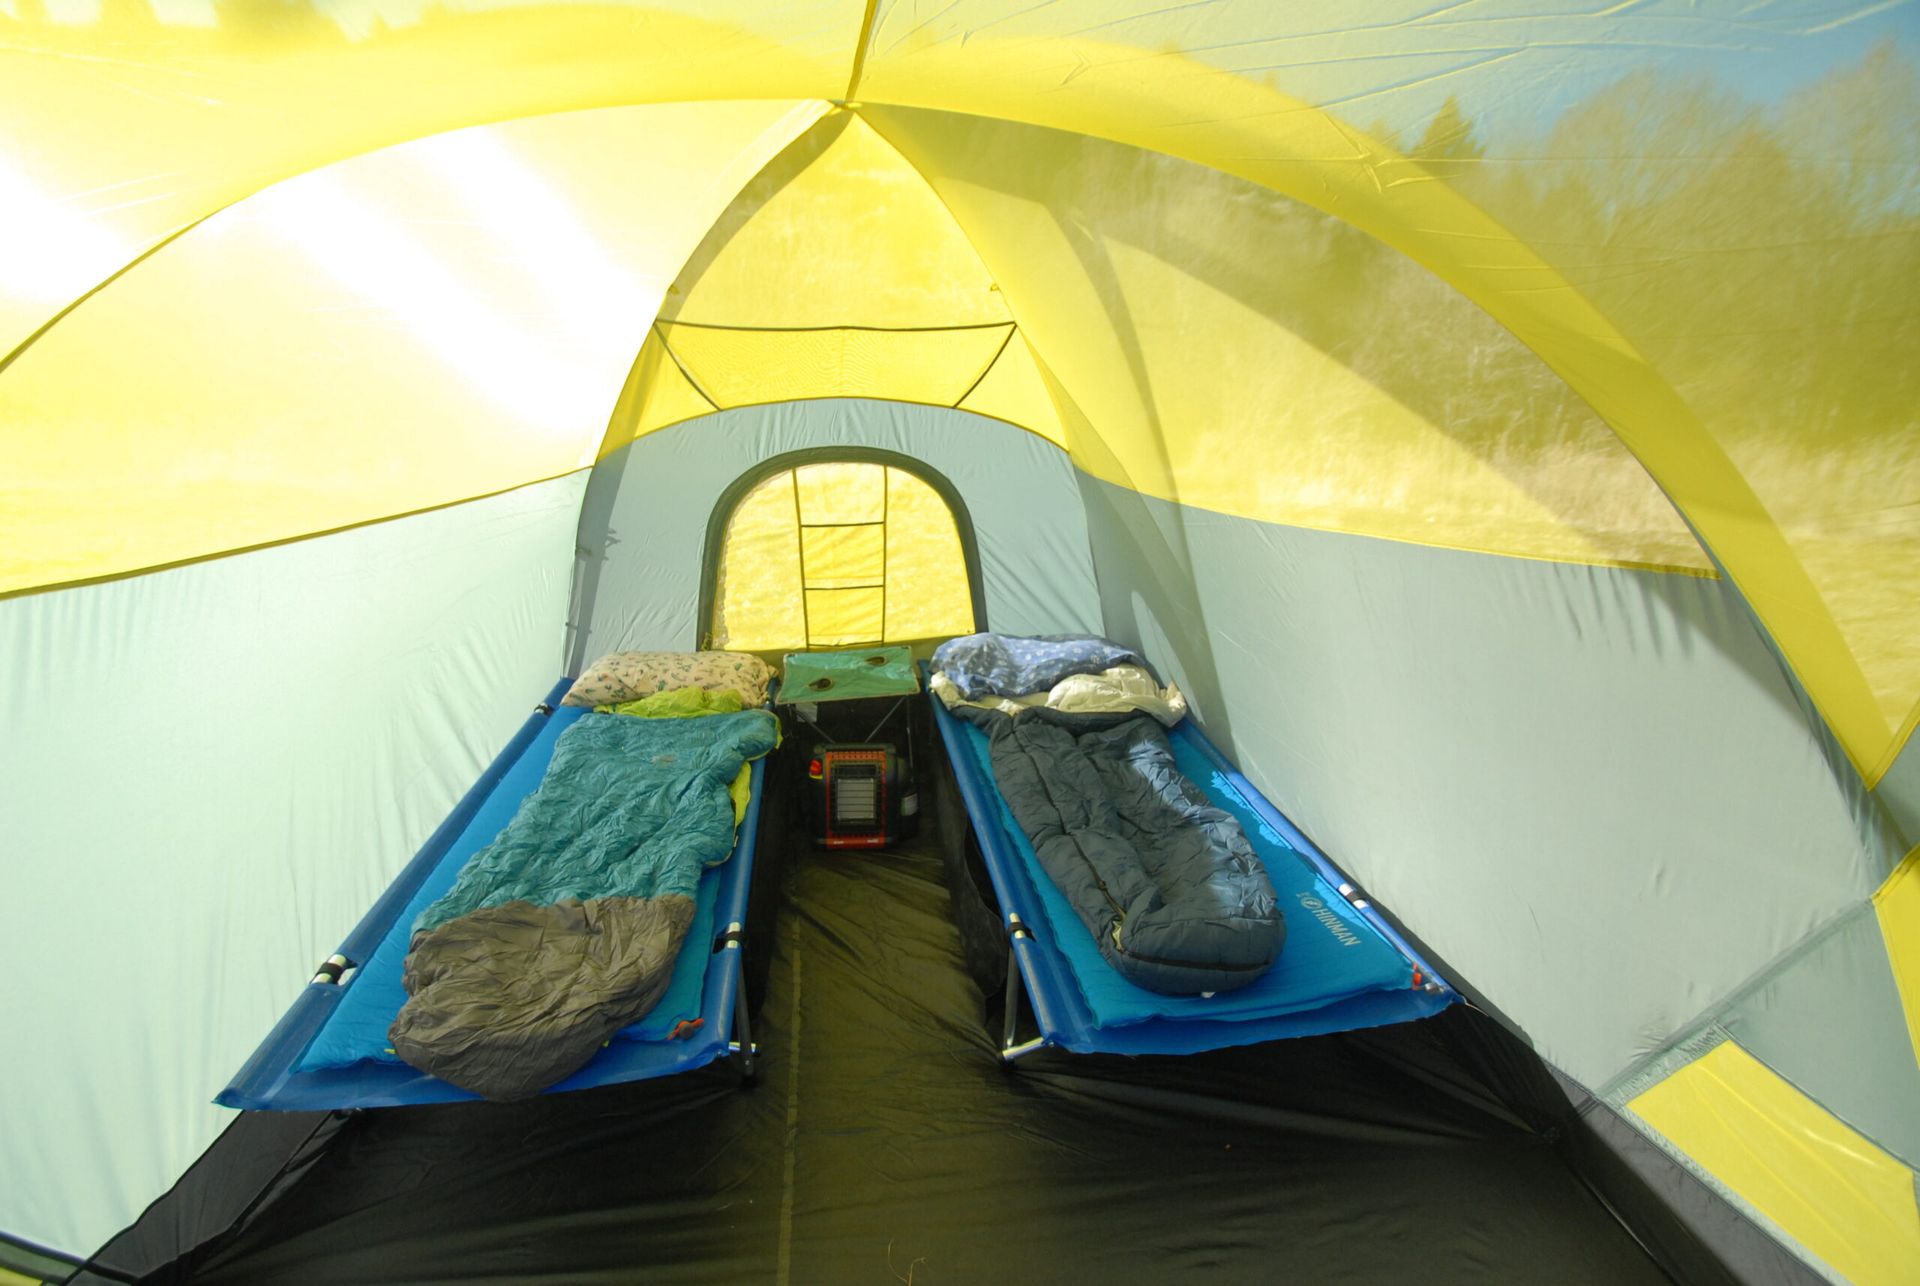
x=1897 y=906
x=1306 y=154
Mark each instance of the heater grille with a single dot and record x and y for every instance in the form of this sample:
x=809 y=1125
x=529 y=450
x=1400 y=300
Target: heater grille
x=856 y=787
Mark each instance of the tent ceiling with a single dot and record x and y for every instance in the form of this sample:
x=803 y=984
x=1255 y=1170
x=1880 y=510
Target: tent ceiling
x=835 y=273
x=426 y=324
x=837 y=226
x=1704 y=224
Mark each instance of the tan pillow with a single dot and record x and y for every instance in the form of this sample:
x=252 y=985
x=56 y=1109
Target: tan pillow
x=627 y=676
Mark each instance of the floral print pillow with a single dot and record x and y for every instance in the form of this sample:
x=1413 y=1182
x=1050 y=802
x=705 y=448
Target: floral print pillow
x=627 y=676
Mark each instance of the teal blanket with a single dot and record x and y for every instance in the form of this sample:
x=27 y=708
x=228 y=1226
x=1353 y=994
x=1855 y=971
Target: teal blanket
x=566 y=927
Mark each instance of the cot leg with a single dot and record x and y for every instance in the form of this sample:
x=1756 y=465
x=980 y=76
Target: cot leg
x=742 y=1031
x=1008 y=1050
x=1013 y=1003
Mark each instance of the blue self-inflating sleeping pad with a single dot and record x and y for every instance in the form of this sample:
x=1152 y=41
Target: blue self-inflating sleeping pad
x=1342 y=967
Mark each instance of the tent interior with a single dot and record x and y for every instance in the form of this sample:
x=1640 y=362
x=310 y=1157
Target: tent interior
x=1498 y=418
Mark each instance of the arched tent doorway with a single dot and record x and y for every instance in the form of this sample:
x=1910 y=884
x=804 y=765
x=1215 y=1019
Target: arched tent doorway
x=839 y=548
x=647 y=552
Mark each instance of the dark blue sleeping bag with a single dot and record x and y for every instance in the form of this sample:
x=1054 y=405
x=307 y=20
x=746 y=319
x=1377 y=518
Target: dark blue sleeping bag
x=1166 y=882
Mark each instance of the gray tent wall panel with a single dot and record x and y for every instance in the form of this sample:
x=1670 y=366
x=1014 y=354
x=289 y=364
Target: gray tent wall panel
x=1899 y=790
x=644 y=523
x=1830 y=1022
x=1827 y=1019
x=260 y=764
x=1530 y=762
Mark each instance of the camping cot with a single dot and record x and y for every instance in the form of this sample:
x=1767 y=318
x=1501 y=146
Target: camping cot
x=326 y=1052
x=1344 y=966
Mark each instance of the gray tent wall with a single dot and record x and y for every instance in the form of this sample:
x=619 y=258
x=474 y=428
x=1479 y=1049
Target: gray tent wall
x=1477 y=738
x=260 y=762
x=1482 y=740
x=1563 y=715
x=1899 y=790
x=644 y=523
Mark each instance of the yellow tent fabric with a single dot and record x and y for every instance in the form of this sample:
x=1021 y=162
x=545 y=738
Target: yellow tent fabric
x=1357 y=394
x=836 y=273
x=1643 y=245
x=1722 y=278
x=1897 y=906
x=1834 y=1191
x=416 y=327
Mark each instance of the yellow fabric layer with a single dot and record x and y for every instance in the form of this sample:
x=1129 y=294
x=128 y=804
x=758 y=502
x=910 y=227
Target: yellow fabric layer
x=657 y=393
x=844 y=557
x=1014 y=390
x=845 y=617
x=434 y=322
x=748 y=367
x=841 y=492
x=1834 y=1192
x=838 y=230
x=1703 y=222
x=1725 y=281
x=123 y=122
x=927 y=592
x=840 y=553
x=836 y=273
x=986 y=370
x=1284 y=366
x=1897 y=905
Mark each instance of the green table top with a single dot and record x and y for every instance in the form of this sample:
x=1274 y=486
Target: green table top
x=847 y=675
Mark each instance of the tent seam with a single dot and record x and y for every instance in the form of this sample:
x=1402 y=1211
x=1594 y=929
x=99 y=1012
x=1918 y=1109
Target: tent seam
x=1711 y=1017
x=681 y=366
x=1012 y=329
x=107 y=578
x=861 y=42
x=839 y=397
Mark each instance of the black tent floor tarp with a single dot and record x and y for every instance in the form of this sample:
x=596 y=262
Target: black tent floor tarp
x=884 y=1142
